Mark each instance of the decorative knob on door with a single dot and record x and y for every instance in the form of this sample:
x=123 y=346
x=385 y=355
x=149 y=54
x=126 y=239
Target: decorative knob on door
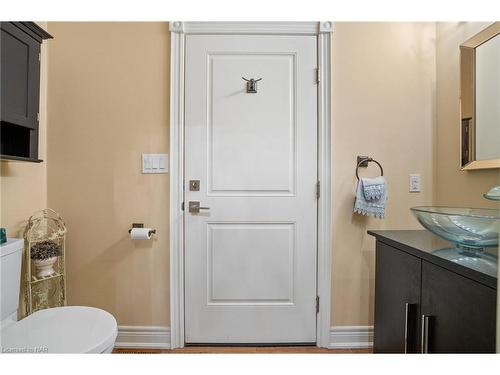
x=194 y=207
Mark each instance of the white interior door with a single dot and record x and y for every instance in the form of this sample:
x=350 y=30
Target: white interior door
x=250 y=258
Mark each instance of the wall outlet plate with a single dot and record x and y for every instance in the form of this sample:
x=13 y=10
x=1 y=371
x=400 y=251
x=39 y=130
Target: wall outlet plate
x=415 y=183
x=154 y=163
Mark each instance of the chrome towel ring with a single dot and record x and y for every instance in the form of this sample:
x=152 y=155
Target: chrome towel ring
x=366 y=161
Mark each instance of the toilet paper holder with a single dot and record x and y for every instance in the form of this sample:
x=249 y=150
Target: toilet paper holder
x=141 y=225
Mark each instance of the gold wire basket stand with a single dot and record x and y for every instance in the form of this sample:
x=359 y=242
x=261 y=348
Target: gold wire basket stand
x=48 y=291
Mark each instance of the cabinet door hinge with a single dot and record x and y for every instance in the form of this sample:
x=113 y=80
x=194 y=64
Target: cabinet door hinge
x=318 y=189
x=318 y=75
x=39 y=56
x=317 y=304
x=182 y=206
x=38 y=117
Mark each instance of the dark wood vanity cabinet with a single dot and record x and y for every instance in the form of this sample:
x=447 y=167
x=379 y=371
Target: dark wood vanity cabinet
x=20 y=86
x=421 y=306
x=397 y=301
x=461 y=313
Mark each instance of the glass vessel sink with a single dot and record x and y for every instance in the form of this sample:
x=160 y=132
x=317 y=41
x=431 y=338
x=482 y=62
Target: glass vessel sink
x=493 y=194
x=470 y=229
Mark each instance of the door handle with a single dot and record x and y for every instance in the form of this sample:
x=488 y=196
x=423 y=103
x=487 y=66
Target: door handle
x=194 y=207
x=424 y=343
x=408 y=307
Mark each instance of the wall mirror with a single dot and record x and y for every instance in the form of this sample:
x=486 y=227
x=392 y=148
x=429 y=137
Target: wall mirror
x=480 y=99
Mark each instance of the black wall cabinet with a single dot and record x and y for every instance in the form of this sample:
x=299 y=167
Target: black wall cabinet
x=20 y=86
x=422 y=307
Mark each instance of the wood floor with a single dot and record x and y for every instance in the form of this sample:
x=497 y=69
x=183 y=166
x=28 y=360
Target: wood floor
x=243 y=350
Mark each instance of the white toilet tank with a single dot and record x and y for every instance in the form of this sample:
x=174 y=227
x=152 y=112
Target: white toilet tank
x=10 y=276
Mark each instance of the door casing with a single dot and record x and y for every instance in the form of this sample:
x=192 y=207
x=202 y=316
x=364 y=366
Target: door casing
x=179 y=30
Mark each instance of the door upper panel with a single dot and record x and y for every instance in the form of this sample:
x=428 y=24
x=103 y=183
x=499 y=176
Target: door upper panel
x=244 y=128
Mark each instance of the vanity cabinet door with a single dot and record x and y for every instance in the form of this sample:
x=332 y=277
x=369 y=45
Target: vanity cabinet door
x=397 y=301
x=460 y=313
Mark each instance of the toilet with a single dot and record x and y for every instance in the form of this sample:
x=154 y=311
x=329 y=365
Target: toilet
x=68 y=329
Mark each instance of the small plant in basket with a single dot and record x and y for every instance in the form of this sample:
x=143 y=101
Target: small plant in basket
x=44 y=254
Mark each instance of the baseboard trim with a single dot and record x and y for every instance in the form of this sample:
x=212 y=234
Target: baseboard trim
x=143 y=337
x=157 y=337
x=344 y=337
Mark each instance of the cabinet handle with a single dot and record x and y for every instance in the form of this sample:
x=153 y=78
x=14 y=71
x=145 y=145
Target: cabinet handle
x=424 y=344
x=407 y=318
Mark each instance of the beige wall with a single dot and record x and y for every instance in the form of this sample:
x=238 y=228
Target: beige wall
x=383 y=106
x=455 y=187
x=108 y=103
x=23 y=186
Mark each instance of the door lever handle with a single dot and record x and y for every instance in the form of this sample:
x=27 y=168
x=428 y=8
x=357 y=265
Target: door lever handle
x=194 y=207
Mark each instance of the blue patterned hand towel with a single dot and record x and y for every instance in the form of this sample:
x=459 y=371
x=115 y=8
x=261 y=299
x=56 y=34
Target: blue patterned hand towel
x=373 y=188
x=371 y=207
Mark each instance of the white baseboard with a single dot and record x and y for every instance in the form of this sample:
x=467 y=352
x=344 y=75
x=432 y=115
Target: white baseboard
x=153 y=337
x=143 y=337
x=343 y=337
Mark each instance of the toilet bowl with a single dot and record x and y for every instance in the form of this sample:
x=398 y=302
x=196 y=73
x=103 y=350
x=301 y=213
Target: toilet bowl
x=68 y=329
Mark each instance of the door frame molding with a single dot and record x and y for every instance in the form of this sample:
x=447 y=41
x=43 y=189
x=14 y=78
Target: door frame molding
x=179 y=30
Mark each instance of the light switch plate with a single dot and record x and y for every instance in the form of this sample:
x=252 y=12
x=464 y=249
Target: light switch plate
x=414 y=183
x=154 y=163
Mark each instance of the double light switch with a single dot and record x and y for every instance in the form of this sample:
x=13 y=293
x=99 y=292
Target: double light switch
x=154 y=163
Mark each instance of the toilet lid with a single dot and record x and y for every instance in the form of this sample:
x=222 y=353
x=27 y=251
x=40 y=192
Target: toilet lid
x=69 y=329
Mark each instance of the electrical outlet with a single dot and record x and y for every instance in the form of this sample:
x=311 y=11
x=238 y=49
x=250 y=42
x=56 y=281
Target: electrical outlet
x=414 y=183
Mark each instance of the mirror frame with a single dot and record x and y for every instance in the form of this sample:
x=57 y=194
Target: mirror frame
x=467 y=124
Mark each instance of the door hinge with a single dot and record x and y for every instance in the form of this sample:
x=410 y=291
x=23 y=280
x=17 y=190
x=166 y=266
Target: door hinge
x=182 y=206
x=38 y=117
x=317 y=304
x=318 y=75
x=39 y=56
x=318 y=190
